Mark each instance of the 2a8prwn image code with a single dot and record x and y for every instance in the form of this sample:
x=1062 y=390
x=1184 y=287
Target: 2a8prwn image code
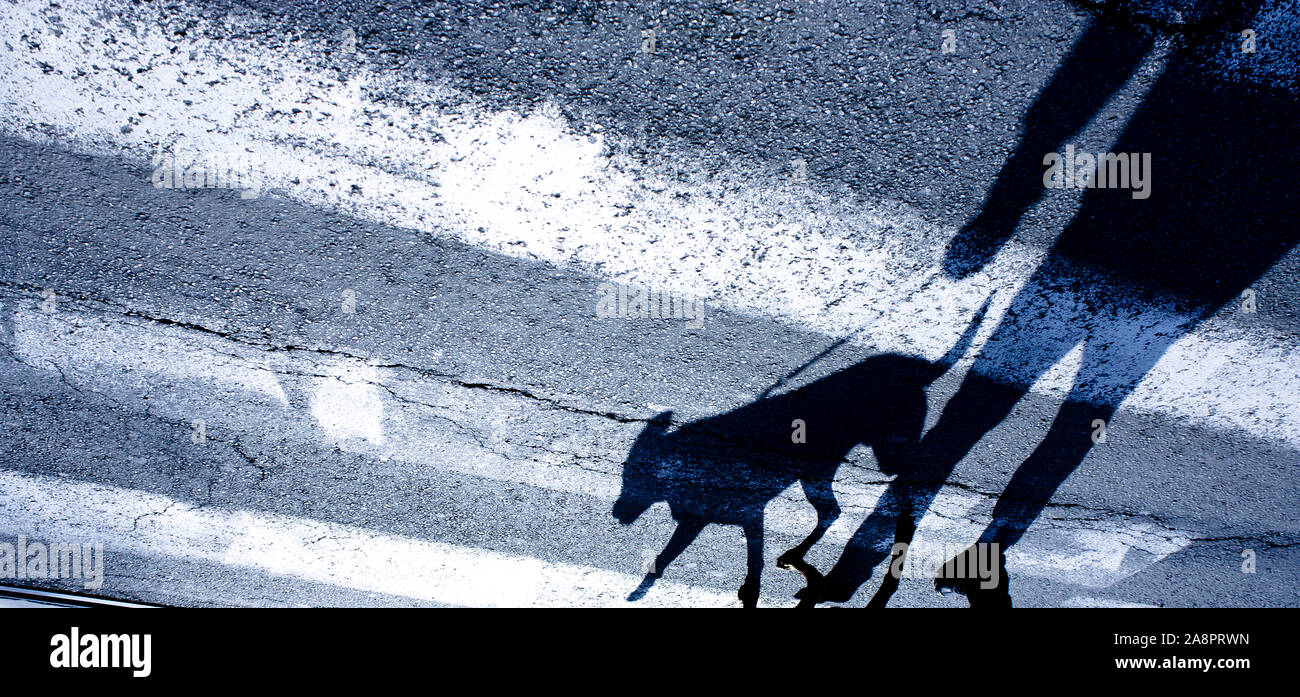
x=671 y=304
x=1197 y=643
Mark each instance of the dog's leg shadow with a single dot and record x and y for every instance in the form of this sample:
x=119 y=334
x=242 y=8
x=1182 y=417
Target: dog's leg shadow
x=822 y=497
x=683 y=535
x=814 y=581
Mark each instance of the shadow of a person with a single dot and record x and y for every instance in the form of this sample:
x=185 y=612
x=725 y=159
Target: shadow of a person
x=1127 y=277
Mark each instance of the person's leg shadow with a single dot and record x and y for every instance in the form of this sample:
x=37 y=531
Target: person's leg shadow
x=1053 y=313
x=1126 y=279
x=1221 y=213
x=1044 y=323
x=1100 y=62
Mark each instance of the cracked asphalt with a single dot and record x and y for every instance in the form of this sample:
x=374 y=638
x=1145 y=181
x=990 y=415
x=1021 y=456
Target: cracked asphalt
x=200 y=349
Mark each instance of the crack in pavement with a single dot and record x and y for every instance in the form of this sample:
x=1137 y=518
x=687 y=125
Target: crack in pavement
x=94 y=306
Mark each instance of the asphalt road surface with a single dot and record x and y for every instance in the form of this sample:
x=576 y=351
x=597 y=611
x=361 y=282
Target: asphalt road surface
x=308 y=305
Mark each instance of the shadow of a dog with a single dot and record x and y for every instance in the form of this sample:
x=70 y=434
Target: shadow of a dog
x=724 y=469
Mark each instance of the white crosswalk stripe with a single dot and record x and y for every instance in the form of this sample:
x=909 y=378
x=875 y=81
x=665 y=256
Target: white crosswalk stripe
x=183 y=375
x=151 y=525
x=530 y=186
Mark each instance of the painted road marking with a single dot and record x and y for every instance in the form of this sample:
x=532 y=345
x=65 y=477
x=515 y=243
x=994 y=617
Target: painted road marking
x=528 y=185
x=187 y=374
x=150 y=525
